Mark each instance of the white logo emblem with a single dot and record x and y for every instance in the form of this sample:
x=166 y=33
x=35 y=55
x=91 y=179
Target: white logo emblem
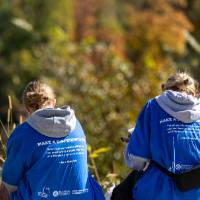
x=55 y=193
x=45 y=192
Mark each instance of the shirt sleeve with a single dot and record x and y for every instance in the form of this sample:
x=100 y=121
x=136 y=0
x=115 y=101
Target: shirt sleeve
x=13 y=168
x=139 y=143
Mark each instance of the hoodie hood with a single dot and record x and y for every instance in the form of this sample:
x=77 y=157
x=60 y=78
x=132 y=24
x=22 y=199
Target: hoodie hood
x=183 y=107
x=53 y=122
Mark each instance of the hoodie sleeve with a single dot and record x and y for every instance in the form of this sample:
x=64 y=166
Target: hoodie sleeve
x=137 y=153
x=13 y=168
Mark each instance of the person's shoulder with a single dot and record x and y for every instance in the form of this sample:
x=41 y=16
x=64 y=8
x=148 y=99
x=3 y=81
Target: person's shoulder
x=150 y=106
x=20 y=131
x=151 y=102
x=78 y=125
x=78 y=129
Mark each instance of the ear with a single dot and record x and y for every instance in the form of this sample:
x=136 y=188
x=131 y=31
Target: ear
x=29 y=110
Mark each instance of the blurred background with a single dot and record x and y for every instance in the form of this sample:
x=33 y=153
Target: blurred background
x=104 y=58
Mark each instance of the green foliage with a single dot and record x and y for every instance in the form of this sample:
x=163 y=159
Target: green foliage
x=190 y=60
x=92 y=155
x=5 y=132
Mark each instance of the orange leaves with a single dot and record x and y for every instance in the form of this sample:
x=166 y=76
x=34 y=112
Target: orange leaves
x=160 y=27
x=84 y=18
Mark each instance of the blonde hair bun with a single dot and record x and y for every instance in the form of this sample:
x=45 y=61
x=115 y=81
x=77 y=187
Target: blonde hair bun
x=181 y=82
x=36 y=95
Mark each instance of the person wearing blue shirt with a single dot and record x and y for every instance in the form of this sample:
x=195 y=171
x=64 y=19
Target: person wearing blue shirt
x=47 y=154
x=167 y=131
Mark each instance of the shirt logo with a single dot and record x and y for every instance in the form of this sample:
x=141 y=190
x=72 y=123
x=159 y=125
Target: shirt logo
x=45 y=192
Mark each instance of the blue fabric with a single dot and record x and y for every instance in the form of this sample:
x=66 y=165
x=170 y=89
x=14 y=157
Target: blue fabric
x=173 y=144
x=49 y=168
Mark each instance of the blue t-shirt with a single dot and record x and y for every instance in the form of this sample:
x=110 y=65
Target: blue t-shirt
x=49 y=168
x=173 y=144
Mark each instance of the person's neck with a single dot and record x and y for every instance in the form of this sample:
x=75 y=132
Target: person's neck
x=30 y=111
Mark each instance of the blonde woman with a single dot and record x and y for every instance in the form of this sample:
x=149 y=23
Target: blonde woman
x=166 y=142
x=46 y=155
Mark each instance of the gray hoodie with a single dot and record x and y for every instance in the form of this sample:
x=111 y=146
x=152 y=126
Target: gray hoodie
x=181 y=106
x=53 y=122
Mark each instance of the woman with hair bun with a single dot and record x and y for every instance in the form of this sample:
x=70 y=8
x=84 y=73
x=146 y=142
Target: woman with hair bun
x=47 y=154
x=165 y=143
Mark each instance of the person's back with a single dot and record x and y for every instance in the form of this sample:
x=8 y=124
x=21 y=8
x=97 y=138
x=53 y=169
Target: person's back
x=168 y=132
x=47 y=159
